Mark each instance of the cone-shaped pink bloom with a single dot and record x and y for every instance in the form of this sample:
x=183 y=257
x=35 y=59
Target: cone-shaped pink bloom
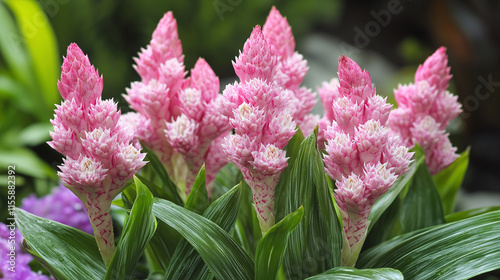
x=362 y=157
x=291 y=68
x=175 y=115
x=259 y=112
x=425 y=108
x=99 y=157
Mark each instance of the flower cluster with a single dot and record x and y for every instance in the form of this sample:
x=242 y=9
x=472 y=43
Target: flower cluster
x=362 y=157
x=425 y=108
x=61 y=206
x=99 y=157
x=18 y=267
x=176 y=116
x=259 y=111
x=291 y=68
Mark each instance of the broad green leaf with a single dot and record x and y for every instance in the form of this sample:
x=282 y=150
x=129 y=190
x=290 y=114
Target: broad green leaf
x=386 y=227
x=41 y=43
x=458 y=250
x=186 y=262
x=27 y=163
x=247 y=230
x=351 y=273
x=272 y=246
x=387 y=199
x=65 y=252
x=13 y=49
x=219 y=251
x=197 y=200
x=136 y=234
x=292 y=149
x=449 y=181
x=168 y=185
x=35 y=134
x=421 y=207
x=318 y=237
x=227 y=177
x=457 y=216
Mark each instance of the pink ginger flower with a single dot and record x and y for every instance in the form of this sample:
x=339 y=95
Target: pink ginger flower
x=425 y=110
x=176 y=117
x=99 y=157
x=259 y=112
x=363 y=158
x=291 y=68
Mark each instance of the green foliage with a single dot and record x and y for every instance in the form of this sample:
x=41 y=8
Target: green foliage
x=450 y=180
x=349 y=273
x=318 y=237
x=138 y=231
x=217 y=248
x=458 y=250
x=29 y=63
x=76 y=256
x=272 y=246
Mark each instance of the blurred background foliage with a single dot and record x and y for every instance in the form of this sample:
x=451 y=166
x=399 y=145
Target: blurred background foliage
x=34 y=35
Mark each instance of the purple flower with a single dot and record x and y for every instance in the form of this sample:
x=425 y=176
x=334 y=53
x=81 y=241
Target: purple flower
x=14 y=262
x=62 y=206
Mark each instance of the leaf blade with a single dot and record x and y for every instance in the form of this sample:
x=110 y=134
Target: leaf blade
x=272 y=246
x=229 y=261
x=458 y=250
x=66 y=252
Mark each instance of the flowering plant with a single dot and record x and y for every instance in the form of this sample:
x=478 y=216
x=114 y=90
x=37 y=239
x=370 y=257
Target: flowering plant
x=247 y=185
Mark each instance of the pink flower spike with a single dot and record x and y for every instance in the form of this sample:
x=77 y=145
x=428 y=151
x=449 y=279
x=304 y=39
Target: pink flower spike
x=348 y=115
x=278 y=34
x=82 y=173
x=371 y=139
x=204 y=79
x=182 y=135
x=354 y=83
x=377 y=109
x=435 y=70
x=79 y=79
x=257 y=60
x=248 y=120
x=91 y=169
x=329 y=93
x=269 y=160
x=441 y=156
x=446 y=108
x=191 y=103
x=164 y=45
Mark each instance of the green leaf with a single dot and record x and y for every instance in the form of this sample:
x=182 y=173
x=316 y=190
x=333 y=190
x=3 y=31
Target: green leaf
x=41 y=43
x=247 y=230
x=219 y=251
x=351 y=273
x=13 y=49
x=387 y=199
x=197 y=200
x=186 y=262
x=292 y=150
x=272 y=246
x=469 y=213
x=227 y=177
x=449 y=181
x=35 y=134
x=458 y=250
x=421 y=206
x=27 y=163
x=136 y=234
x=318 y=237
x=67 y=253
x=168 y=186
